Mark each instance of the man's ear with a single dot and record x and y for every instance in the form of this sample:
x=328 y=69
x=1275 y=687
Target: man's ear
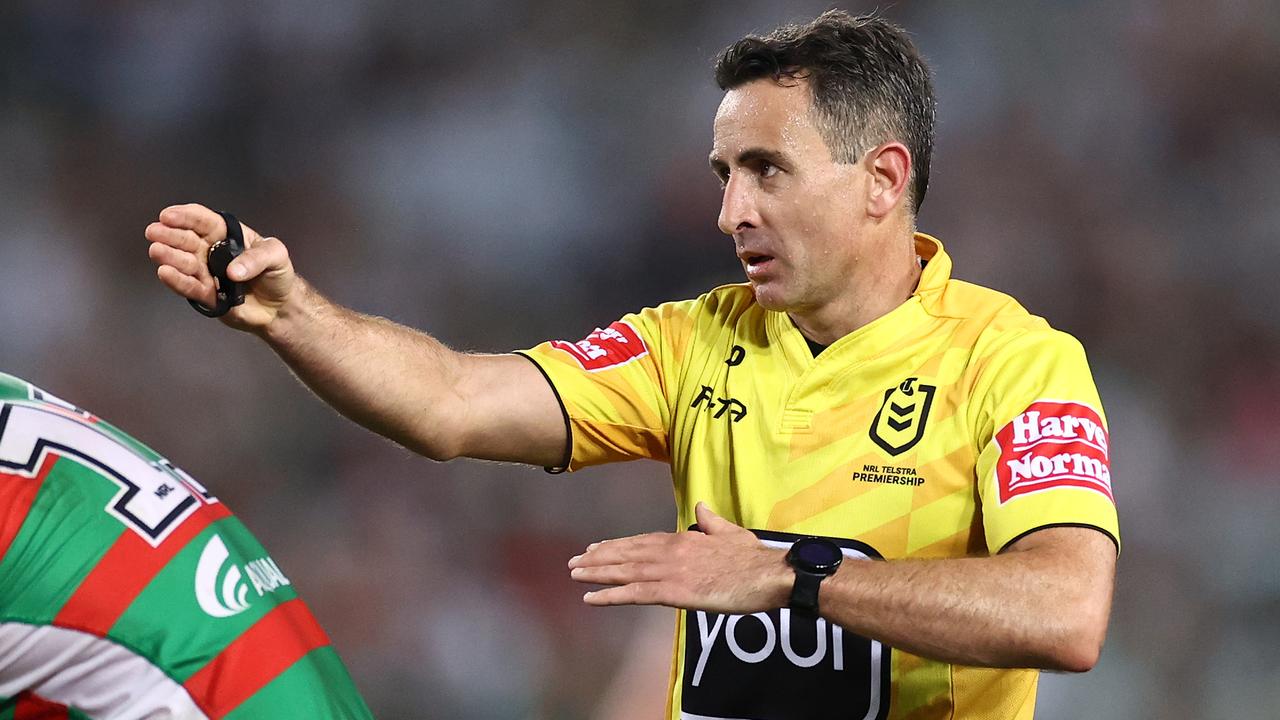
x=890 y=168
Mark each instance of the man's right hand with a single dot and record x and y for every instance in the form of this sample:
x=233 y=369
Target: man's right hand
x=398 y=382
x=180 y=243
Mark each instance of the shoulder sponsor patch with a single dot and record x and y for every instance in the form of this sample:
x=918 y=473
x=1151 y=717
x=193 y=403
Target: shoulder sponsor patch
x=1053 y=444
x=606 y=348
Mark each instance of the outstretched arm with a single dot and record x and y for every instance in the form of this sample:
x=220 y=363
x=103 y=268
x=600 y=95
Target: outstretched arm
x=1043 y=603
x=396 y=381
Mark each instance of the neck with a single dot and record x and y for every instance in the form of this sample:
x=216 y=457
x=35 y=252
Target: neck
x=876 y=289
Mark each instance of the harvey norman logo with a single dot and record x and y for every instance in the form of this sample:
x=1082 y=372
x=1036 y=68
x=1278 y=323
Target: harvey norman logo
x=606 y=348
x=222 y=587
x=1050 y=445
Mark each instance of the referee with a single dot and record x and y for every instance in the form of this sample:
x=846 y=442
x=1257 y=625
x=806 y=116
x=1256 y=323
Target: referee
x=893 y=486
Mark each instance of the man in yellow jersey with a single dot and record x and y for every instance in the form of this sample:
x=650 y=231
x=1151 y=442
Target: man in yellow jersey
x=892 y=486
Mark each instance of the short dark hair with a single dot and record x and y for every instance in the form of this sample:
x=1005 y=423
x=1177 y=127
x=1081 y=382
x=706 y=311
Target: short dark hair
x=868 y=82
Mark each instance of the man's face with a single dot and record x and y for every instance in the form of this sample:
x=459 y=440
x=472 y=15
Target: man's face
x=794 y=213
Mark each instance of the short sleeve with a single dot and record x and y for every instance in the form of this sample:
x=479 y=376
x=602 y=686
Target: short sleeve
x=1045 y=448
x=614 y=385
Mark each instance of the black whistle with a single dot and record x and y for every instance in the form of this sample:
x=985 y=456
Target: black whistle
x=228 y=293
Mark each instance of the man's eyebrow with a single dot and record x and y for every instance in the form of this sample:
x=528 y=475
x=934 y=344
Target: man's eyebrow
x=756 y=154
x=750 y=155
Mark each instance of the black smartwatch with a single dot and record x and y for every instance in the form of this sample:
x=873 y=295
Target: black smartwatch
x=814 y=560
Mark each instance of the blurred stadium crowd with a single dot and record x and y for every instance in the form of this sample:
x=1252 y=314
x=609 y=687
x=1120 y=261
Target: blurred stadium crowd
x=501 y=172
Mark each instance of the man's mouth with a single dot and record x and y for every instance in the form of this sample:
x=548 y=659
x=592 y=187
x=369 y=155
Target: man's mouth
x=758 y=266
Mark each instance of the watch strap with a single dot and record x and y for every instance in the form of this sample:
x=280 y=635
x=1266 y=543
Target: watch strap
x=804 y=593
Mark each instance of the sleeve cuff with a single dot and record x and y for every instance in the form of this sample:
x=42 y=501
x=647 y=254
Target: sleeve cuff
x=568 y=429
x=1110 y=536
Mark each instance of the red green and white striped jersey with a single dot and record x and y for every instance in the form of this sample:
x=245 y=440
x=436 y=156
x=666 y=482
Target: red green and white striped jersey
x=128 y=591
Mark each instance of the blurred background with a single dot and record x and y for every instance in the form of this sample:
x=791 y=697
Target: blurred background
x=504 y=172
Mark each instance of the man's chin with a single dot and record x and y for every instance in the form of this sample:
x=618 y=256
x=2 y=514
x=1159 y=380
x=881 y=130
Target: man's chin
x=769 y=297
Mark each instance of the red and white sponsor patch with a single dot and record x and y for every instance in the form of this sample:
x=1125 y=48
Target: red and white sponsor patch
x=1053 y=444
x=606 y=348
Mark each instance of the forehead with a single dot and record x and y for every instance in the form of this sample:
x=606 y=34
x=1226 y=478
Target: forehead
x=764 y=113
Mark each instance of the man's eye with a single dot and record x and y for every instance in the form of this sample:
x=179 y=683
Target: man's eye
x=768 y=170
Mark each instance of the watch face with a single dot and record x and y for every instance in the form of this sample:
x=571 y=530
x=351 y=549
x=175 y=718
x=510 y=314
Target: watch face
x=816 y=554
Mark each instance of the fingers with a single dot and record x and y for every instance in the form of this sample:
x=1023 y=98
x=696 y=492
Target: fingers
x=631 y=564
x=197 y=218
x=618 y=574
x=650 y=546
x=263 y=257
x=184 y=262
x=712 y=524
x=176 y=238
x=640 y=593
x=180 y=241
x=180 y=254
x=706 y=518
x=185 y=285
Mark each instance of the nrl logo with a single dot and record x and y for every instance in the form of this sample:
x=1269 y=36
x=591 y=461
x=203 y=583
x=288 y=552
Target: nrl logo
x=899 y=423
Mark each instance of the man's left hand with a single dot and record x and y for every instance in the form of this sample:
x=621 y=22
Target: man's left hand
x=724 y=569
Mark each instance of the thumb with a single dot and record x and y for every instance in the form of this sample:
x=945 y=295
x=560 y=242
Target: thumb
x=264 y=256
x=712 y=524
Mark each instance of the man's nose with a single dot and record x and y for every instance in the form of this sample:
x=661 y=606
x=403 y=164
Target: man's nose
x=737 y=207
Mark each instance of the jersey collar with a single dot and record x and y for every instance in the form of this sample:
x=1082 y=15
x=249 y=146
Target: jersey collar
x=936 y=274
x=879 y=335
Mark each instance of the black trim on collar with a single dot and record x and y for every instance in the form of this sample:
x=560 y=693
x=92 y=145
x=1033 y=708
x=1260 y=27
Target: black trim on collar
x=814 y=347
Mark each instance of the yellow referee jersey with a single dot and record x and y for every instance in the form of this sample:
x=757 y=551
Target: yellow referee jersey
x=950 y=427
